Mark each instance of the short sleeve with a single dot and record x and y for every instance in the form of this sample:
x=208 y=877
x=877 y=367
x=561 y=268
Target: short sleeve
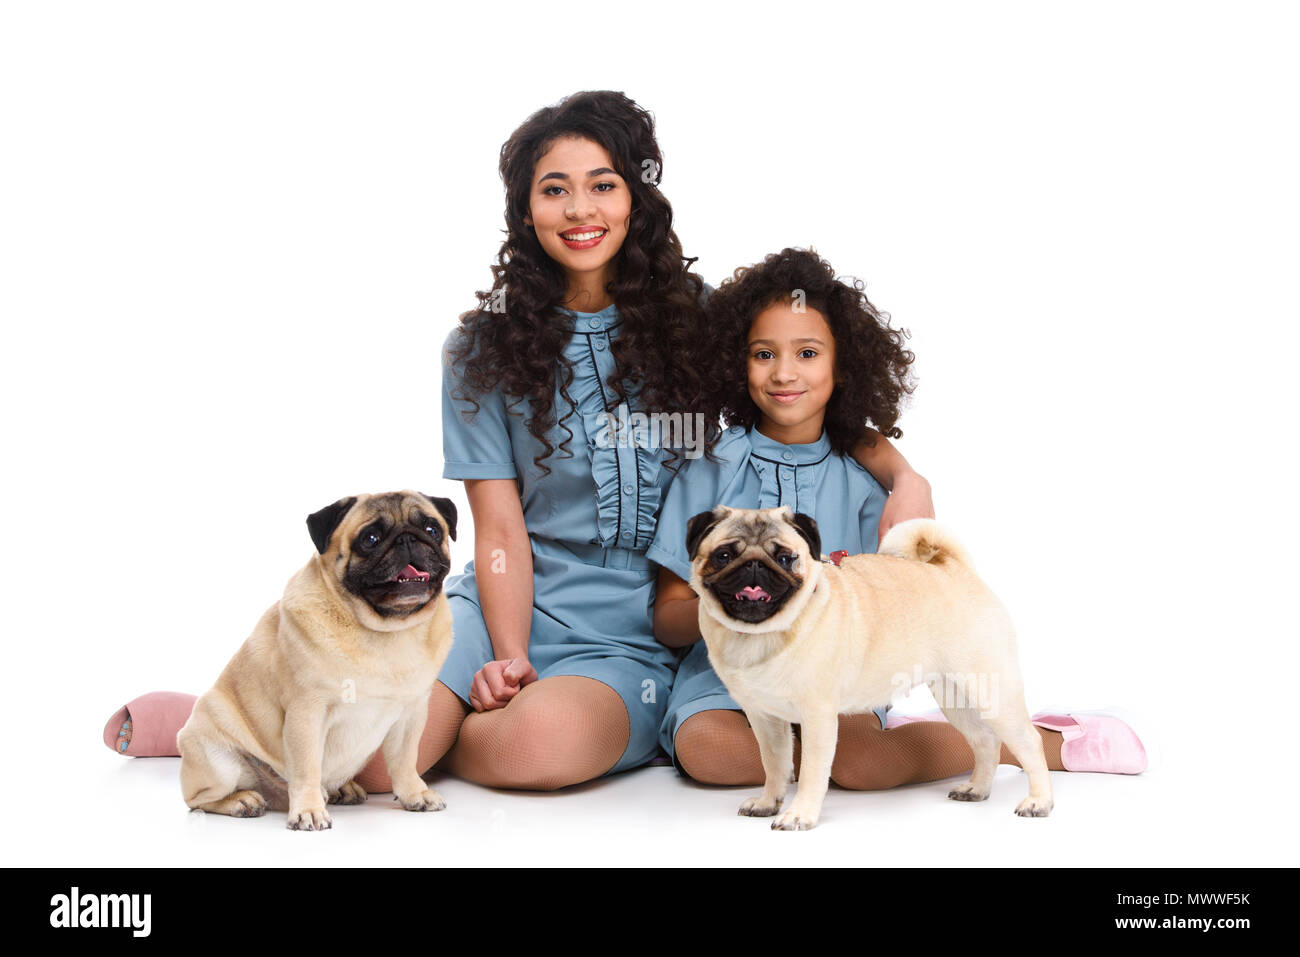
x=698 y=486
x=475 y=445
x=872 y=497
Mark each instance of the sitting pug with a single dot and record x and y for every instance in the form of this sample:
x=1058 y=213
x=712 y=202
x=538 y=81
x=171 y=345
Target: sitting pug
x=343 y=663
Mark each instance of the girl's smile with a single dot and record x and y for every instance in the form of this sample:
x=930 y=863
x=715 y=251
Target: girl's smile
x=791 y=372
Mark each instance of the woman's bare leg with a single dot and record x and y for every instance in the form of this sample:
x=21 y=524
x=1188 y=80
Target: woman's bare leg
x=555 y=732
x=446 y=713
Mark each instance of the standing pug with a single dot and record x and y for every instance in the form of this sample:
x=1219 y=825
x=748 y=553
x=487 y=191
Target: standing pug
x=342 y=664
x=799 y=640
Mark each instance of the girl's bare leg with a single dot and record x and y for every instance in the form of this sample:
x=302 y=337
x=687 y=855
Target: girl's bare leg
x=868 y=758
x=718 y=747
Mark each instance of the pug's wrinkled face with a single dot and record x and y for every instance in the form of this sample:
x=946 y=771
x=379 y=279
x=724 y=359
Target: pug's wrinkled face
x=751 y=562
x=390 y=552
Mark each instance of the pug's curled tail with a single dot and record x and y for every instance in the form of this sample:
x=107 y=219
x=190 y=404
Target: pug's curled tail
x=924 y=540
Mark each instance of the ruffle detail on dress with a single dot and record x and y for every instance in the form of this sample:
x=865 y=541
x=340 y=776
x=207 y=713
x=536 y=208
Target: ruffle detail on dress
x=606 y=473
x=624 y=446
x=649 y=495
x=621 y=456
x=769 y=495
x=601 y=435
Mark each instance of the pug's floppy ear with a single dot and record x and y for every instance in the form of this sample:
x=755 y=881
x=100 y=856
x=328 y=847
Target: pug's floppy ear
x=447 y=509
x=321 y=524
x=807 y=527
x=698 y=527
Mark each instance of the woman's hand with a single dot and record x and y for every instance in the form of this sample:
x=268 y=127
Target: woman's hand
x=910 y=498
x=909 y=492
x=499 y=681
x=503 y=571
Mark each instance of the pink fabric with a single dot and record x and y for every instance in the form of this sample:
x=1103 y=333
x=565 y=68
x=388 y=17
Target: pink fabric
x=1069 y=728
x=155 y=719
x=1096 y=742
x=897 y=720
x=1091 y=742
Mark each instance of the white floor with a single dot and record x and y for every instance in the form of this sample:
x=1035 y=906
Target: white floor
x=94 y=808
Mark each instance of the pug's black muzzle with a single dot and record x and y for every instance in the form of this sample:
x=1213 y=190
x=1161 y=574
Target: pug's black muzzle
x=752 y=590
x=404 y=574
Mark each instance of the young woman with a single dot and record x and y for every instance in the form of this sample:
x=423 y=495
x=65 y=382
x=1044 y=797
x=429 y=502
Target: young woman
x=555 y=676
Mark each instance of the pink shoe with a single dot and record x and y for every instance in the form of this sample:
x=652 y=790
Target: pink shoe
x=1095 y=741
x=898 y=720
x=152 y=724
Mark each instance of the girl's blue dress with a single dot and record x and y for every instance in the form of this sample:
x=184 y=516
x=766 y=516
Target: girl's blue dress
x=758 y=472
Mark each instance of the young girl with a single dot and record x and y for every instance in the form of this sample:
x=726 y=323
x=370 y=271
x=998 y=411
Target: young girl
x=818 y=361
x=555 y=676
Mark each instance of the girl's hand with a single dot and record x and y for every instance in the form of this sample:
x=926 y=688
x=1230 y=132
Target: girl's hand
x=499 y=681
x=909 y=499
x=677 y=611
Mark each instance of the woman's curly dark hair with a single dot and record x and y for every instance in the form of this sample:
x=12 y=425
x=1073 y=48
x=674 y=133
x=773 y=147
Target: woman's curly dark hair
x=658 y=298
x=871 y=366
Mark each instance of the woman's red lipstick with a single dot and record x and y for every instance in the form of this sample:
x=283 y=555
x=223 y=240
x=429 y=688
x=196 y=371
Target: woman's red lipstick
x=584 y=231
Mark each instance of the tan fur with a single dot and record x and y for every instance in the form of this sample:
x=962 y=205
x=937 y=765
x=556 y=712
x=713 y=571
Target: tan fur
x=321 y=683
x=853 y=637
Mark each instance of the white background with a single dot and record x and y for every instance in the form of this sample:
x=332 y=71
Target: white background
x=233 y=236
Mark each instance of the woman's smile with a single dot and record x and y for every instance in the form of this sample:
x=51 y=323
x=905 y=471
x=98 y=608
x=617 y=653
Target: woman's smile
x=580 y=208
x=583 y=238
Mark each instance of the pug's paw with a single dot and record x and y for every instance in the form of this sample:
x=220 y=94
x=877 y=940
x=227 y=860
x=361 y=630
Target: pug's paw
x=349 y=793
x=242 y=804
x=426 y=800
x=1034 y=807
x=309 y=819
x=967 y=792
x=793 y=820
x=760 y=807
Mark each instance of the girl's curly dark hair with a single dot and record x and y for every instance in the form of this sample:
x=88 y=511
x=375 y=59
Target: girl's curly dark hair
x=871 y=365
x=658 y=298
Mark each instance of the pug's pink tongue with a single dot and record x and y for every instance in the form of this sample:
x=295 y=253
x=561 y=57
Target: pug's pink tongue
x=752 y=593
x=410 y=571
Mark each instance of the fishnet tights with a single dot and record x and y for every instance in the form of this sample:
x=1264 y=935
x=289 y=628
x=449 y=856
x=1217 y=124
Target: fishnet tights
x=718 y=747
x=555 y=732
